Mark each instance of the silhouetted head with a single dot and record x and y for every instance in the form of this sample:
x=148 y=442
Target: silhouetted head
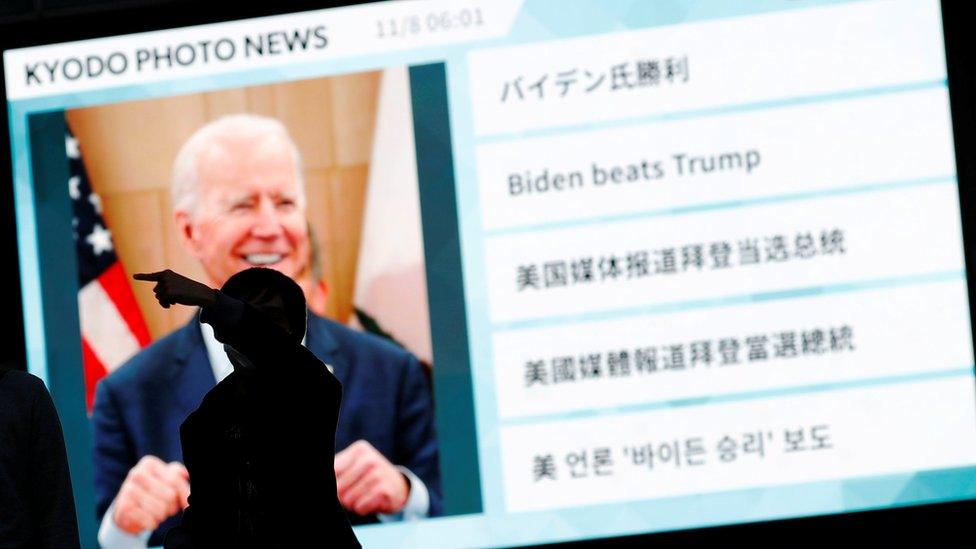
x=272 y=293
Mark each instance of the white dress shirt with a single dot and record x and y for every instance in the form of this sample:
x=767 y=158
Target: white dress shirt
x=110 y=536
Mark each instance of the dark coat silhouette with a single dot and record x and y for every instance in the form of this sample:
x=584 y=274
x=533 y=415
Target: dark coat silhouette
x=385 y=400
x=37 y=508
x=260 y=447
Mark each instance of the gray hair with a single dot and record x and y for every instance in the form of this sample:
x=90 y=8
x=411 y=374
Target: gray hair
x=186 y=176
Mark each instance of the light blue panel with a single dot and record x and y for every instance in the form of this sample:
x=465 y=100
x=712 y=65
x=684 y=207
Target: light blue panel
x=715 y=509
x=27 y=245
x=962 y=371
x=731 y=204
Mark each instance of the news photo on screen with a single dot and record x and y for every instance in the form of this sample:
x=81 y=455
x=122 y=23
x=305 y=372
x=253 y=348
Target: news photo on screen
x=581 y=273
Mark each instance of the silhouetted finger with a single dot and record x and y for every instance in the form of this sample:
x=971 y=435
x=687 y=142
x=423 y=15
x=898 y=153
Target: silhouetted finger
x=149 y=276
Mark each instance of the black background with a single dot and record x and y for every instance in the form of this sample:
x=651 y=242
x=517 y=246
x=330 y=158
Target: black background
x=33 y=22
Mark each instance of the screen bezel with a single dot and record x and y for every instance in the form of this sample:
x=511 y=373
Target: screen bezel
x=948 y=522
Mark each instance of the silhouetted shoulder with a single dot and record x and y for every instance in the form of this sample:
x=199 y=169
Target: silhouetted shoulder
x=17 y=387
x=36 y=500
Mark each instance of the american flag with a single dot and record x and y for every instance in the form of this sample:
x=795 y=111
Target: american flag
x=112 y=327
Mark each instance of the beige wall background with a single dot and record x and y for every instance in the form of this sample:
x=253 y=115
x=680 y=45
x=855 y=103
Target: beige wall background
x=128 y=150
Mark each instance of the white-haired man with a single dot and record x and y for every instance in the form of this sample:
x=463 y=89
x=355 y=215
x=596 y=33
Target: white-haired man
x=239 y=202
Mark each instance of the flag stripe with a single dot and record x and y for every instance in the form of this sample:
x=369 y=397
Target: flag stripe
x=112 y=326
x=116 y=286
x=104 y=328
x=94 y=371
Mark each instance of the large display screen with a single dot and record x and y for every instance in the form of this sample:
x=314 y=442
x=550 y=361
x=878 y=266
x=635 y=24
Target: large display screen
x=587 y=271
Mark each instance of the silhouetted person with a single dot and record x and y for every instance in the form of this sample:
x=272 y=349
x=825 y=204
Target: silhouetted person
x=260 y=447
x=37 y=506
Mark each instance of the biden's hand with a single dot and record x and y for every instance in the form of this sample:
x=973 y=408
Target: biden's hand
x=175 y=288
x=367 y=482
x=152 y=492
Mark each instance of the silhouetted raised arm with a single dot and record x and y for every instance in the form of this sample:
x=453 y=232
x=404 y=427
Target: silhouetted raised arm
x=235 y=322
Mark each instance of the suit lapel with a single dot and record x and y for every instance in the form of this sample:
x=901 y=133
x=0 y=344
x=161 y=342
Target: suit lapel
x=324 y=346
x=193 y=376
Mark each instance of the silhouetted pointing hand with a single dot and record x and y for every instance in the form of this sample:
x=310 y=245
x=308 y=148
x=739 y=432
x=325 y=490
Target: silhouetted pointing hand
x=175 y=288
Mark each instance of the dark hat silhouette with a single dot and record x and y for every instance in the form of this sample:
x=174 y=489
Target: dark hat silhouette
x=272 y=293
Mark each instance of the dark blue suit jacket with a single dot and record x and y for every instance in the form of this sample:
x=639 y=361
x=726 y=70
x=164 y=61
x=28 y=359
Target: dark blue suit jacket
x=386 y=400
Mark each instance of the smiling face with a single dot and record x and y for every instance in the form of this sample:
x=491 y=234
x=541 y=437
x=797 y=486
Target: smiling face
x=248 y=211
